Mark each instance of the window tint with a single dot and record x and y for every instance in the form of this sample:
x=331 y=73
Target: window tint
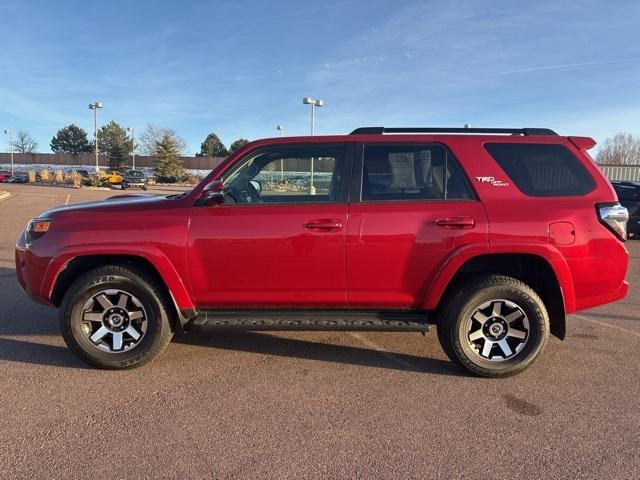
x=291 y=175
x=411 y=172
x=542 y=170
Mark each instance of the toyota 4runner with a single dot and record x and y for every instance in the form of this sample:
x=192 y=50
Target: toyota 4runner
x=493 y=235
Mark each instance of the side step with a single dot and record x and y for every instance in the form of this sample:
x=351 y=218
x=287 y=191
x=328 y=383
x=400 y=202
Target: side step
x=341 y=320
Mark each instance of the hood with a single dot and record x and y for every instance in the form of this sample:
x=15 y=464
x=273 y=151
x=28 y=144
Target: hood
x=120 y=202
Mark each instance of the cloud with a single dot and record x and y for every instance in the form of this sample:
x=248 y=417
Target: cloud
x=563 y=66
x=291 y=14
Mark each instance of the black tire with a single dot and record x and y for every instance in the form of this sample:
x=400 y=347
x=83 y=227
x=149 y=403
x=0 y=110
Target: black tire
x=455 y=324
x=142 y=288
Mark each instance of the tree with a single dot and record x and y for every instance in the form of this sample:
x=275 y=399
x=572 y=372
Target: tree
x=167 y=146
x=114 y=141
x=23 y=142
x=238 y=144
x=168 y=164
x=70 y=139
x=152 y=136
x=621 y=149
x=212 y=147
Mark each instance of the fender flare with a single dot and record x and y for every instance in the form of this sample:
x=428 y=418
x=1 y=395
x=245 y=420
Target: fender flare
x=461 y=255
x=173 y=281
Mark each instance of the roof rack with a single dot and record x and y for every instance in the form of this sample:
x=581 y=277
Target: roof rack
x=512 y=131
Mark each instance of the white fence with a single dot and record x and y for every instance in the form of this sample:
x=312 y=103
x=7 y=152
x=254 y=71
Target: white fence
x=630 y=173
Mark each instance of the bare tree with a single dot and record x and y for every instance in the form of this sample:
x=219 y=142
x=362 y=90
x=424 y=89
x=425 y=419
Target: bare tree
x=153 y=136
x=23 y=142
x=621 y=149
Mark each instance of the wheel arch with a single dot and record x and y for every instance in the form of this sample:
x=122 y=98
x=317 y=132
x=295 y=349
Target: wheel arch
x=550 y=278
x=70 y=269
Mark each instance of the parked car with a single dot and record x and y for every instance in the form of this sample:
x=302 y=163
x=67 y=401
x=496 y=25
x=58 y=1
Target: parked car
x=83 y=173
x=4 y=175
x=19 y=178
x=495 y=236
x=134 y=178
x=112 y=176
x=629 y=196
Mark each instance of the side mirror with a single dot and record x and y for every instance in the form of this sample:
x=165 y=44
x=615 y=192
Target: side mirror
x=257 y=185
x=212 y=194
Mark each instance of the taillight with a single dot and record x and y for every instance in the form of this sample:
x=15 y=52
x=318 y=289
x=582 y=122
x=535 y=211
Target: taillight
x=615 y=217
x=36 y=228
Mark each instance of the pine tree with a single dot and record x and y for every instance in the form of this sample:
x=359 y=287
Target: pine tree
x=212 y=147
x=70 y=139
x=116 y=143
x=169 y=167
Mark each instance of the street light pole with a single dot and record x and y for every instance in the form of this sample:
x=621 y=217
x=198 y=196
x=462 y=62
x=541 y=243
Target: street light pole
x=280 y=128
x=8 y=132
x=133 y=147
x=95 y=106
x=314 y=102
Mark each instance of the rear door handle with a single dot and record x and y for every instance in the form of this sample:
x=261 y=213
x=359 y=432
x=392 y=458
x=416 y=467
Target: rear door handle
x=456 y=222
x=326 y=224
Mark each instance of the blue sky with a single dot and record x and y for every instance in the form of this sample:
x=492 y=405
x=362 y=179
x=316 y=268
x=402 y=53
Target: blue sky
x=239 y=68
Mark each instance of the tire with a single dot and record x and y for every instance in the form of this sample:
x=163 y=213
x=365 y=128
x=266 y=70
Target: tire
x=104 y=311
x=482 y=323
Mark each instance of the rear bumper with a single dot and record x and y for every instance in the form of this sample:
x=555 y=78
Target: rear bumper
x=590 y=302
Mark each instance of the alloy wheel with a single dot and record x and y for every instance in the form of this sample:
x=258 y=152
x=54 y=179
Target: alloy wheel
x=114 y=321
x=497 y=330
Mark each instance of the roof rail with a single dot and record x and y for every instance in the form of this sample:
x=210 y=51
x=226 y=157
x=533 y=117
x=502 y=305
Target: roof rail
x=512 y=131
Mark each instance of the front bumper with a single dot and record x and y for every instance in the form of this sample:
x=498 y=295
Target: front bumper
x=30 y=271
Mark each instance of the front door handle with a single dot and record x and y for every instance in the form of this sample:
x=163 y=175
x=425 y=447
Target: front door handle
x=456 y=222
x=326 y=224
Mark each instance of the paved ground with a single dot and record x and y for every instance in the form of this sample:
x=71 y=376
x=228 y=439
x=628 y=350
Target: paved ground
x=309 y=405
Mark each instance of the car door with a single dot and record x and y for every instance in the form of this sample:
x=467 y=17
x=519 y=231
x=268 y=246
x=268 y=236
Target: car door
x=279 y=238
x=413 y=208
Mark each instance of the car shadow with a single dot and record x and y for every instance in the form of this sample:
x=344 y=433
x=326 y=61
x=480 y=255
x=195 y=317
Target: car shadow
x=23 y=351
x=269 y=344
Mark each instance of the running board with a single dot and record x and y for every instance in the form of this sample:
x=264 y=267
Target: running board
x=343 y=320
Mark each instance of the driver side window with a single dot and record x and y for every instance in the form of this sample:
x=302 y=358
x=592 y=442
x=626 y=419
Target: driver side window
x=287 y=175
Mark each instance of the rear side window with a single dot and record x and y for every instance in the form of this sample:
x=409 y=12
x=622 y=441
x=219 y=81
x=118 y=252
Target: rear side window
x=412 y=172
x=542 y=170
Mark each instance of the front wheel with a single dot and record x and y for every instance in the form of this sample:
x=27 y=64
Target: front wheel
x=116 y=317
x=493 y=326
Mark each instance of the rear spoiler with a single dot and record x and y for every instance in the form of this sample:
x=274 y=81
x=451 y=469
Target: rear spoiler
x=583 y=143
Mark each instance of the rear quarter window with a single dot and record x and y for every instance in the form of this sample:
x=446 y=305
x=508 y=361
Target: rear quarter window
x=542 y=170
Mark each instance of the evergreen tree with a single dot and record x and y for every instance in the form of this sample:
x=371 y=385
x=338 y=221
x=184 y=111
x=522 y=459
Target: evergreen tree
x=70 y=139
x=212 y=147
x=238 y=144
x=169 y=167
x=116 y=143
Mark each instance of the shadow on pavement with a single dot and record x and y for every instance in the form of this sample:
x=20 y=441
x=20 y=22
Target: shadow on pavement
x=23 y=351
x=286 y=347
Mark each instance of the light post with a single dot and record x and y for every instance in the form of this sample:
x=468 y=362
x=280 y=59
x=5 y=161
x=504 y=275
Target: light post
x=133 y=147
x=8 y=132
x=95 y=106
x=314 y=102
x=280 y=128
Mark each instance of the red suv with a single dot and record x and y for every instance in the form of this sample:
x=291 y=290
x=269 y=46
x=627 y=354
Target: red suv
x=494 y=235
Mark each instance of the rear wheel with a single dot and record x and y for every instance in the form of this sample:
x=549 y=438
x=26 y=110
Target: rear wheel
x=493 y=326
x=115 y=317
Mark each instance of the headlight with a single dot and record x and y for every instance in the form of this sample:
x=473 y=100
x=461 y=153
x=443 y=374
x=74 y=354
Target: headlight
x=36 y=228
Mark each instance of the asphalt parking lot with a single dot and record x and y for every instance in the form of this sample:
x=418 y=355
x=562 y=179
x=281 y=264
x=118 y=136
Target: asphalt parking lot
x=310 y=405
